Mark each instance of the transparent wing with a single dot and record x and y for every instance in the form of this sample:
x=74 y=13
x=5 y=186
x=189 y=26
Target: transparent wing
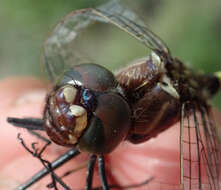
x=200 y=149
x=128 y=21
x=61 y=51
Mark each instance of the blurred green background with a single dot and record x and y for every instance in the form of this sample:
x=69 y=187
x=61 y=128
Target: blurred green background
x=192 y=30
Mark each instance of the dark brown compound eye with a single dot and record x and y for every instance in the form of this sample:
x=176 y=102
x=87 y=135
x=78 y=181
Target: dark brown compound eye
x=65 y=119
x=108 y=126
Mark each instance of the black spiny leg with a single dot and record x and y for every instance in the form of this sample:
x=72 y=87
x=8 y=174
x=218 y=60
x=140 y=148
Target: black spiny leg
x=47 y=142
x=31 y=124
x=45 y=163
x=101 y=169
x=90 y=172
x=49 y=167
x=27 y=123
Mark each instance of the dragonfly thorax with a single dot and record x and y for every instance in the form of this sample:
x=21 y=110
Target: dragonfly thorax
x=191 y=85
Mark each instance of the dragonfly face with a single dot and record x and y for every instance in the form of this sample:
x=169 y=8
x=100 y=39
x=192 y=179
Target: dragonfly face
x=93 y=110
x=87 y=109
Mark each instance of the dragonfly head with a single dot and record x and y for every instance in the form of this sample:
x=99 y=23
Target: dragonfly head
x=86 y=109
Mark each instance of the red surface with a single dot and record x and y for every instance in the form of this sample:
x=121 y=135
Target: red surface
x=128 y=164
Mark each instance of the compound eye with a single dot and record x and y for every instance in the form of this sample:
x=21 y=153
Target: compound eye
x=108 y=126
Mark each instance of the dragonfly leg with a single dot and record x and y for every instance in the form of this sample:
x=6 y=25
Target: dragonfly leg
x=27 y=123
x=102 y=172
x=45 y=163
x=48 y=167
x=90 y=172
x=39 y=136
x=31 y=124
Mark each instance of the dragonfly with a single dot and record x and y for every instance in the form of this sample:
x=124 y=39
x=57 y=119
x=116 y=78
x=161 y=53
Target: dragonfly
x=91 y=109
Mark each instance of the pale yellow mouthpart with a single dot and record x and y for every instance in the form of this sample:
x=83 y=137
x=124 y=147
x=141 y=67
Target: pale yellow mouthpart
x=81 y=124
x=81 y=119
x=72 y=139
x=70 y=93
x=77 y=110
